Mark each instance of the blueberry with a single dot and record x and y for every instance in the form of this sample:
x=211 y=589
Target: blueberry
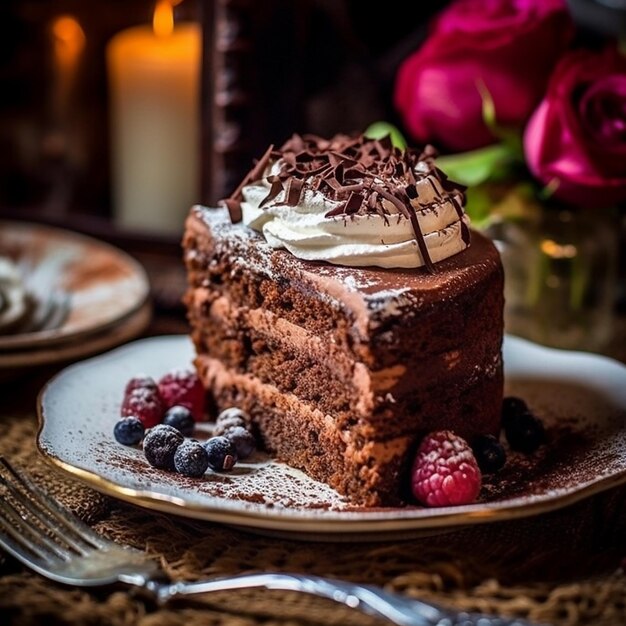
x=512 y=407
x=180 y=418
x=230 y=418
x=129 y=431
x=191 y=459
x=222 y=454
x=524 y=432
x=243 y=440
x=160 y=445
x=489 y=453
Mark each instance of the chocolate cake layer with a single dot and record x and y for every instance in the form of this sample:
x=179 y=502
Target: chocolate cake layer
x=379 y=356
x=370 y=472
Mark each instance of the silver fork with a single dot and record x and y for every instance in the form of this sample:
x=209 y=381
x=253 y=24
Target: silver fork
x=49 y=539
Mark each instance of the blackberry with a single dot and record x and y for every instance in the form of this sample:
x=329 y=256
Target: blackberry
x=243 y=440
x=180 y=418
x=191 y=459
x=228 y=419
x=512 y=407
x=129 y=431
x=160 y=445
x=525 y=432
x=489 y=453
x=221 y=453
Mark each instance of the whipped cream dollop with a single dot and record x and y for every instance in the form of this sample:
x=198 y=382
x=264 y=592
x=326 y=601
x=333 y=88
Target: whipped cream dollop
x=355 y=202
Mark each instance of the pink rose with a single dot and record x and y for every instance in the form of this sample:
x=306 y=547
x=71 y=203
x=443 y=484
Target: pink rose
x=577 y=135
x=509 y=45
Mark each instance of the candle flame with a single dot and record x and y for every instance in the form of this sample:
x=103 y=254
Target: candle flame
x=163 y=20
x=68 y=35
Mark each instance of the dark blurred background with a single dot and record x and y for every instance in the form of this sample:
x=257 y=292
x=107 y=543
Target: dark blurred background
x=269 y=68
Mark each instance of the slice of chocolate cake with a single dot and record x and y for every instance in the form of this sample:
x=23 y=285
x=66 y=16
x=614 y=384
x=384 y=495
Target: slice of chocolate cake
x=344 y=366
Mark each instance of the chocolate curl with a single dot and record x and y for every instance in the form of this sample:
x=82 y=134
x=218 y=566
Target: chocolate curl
x=275 y=188
x=354 y=203
x=393 y=199
x=339 y=174
x=383 y=146
x=294 y=190
x=465 y=233
x=338 y=210
x=429 y=152
x=233 y=203
x=234 y=209
x=417 y=231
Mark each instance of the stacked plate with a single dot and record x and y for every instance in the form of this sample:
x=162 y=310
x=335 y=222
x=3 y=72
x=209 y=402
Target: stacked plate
x=65 y=296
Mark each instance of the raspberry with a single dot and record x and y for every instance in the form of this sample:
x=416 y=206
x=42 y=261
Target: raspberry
x=138 y=382
x=183 y=387
x=145 y=404
x=445 y=471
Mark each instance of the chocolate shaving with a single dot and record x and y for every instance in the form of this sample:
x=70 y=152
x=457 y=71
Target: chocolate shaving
x=421 y=242
x=294 y=189
x=435 y=190
x=402 y=208
x=354 y=203
x=339 y=177
x=417 y=231
x=275 y=188
x=338 y=210
x=457 y=206
x=428 y=153
x=233 y=203
x=347 y=188
x=234 y=209
x=465 y=233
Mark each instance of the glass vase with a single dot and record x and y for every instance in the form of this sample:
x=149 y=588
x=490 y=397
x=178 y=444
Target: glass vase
x=561 y=277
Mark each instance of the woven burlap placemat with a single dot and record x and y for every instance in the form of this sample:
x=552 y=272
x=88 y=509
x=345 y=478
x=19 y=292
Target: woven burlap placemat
x=562 y=568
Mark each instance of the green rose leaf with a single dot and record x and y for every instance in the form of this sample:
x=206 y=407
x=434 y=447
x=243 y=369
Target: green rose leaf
x=478 y=166
x=378 y=130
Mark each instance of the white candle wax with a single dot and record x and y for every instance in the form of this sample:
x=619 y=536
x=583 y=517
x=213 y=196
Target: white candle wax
x=154 y=85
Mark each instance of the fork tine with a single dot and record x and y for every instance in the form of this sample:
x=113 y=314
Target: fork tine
x=47 y=521
x=49 y=507
x=18 y=526
x=21 y=547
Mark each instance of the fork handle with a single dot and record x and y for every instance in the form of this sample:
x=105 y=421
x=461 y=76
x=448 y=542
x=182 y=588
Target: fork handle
x=366 y=598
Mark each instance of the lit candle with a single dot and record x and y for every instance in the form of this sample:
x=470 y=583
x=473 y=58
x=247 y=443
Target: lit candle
x=68 y=41
x=154 y=76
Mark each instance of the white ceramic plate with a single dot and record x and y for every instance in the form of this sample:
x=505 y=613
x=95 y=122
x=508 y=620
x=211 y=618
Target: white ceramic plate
x=581 y=399
x=103 y=285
